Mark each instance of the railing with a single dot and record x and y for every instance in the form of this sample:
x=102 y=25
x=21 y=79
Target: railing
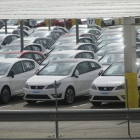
x=71 y=115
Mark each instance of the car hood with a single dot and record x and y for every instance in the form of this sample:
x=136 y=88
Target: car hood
x=108 y=81
x=43 y=80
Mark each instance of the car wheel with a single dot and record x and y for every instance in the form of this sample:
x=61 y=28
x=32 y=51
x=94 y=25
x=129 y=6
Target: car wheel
x=102 y=24
x=113 y=23
x=5 y=95
x=96 y=103
x=69 y=95
x=31 y=102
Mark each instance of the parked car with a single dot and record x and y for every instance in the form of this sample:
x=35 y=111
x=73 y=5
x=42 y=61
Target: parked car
x=44 y=41
x=59 y=28
x=109 y=87
x=108 y=48
x=17 y=32
x=54 y=35
x=13 y=74
x=6 y=39
x=108 y=21
x=79 y=46
x=29 y=47
x=69 y=54
x=73 y=78
x=35 y=55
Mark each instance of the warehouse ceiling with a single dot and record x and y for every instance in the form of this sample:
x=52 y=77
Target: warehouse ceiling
x=38 y=9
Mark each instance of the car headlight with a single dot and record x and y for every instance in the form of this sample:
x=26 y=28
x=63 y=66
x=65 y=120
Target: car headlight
x=53 y=85
x=26 y=86
x=120 y=87
x=93 y=87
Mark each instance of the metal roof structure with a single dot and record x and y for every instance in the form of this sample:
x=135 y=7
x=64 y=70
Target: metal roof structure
x=37 y=9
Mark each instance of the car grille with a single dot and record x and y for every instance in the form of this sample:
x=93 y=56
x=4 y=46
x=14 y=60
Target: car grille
x=106 y=98
x=37 y=96
x=37 y=87
x=105 y=88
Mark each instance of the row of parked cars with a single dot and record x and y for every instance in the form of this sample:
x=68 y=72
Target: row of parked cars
x=52 y=60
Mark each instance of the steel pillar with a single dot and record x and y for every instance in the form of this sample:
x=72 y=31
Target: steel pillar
x=5 y=21
x=130 y=62
x=77 y=31
x=21 y=35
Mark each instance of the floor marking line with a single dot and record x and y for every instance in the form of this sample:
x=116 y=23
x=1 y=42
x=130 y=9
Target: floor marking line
x=5 y=106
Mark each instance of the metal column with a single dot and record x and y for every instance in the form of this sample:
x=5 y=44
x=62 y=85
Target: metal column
x=65 y=23
x=21 y=35
x=77 y=31
x=5 y=21
x=49 y=24
x=130 y=61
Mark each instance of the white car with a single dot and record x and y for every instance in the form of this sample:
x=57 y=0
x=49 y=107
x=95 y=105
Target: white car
x=108 y=21
x=13 y=74
x=109 y=87
x=69 y=54
x=73 y=78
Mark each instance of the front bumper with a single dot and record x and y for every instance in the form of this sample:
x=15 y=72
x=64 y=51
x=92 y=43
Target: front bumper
x=42 y=95
x=106 y=96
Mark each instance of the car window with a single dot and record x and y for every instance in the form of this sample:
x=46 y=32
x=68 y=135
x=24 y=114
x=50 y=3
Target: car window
x=88 y=55
x=51 y=42
x=28 y=65
x=80 y=55
x=83 y=68
x=90 y=47
x=45 y=43
x=7 y=40
x=81 y=41
x=81 y=47
x=36 y=48
x=37 y=41
x=25 y=34
x=15 y=32
x=37 y=56
x=27 y=55
x=87 y=41
x=14 y=37
x=17 y=68
x=28 y=48
x=94 y=66
x=53 y=36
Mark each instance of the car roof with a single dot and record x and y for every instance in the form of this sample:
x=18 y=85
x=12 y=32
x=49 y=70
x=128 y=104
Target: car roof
x=12 y=60
x=4 y=35
x=72 y=60
x=72 y=52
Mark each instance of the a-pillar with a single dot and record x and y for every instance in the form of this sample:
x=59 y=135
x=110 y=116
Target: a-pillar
x=130 y=62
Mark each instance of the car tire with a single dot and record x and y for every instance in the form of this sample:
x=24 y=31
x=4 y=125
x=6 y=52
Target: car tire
x=69 y=95
x=96 y=103
x=113 y=23
x=5 y=95
x=31 y=102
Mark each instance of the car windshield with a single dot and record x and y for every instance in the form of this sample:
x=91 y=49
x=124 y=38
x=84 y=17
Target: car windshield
x=39 y=34
x=102 y=44
x=4 y=68
x=53 y=57
x=59 y=69
x=105 y=50
x=116 y=69
x=110 y=58
x=5 y=49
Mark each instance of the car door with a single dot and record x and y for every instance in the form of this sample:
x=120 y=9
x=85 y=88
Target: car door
x=95 y=69
x=82 y=82
x=29 y=67
x=17 y=82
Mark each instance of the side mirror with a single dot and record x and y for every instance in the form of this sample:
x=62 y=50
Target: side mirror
x=36 y=72
x=100 y=72
x=76 y=74
x=11 y=74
